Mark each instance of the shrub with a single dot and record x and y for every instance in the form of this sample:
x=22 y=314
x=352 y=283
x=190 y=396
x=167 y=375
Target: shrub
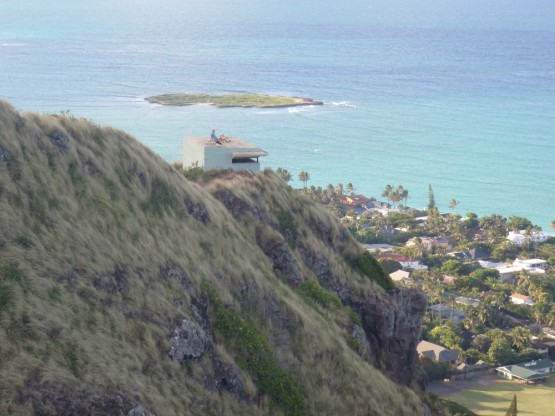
x=368 y=266
x=288 y=227
x=254 y=354
x=7 y=297
x=312 y=291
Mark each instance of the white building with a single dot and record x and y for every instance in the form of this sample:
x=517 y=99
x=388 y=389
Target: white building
x=519 y=238
x=236 y=154
x=531 y=264
x=519 y=299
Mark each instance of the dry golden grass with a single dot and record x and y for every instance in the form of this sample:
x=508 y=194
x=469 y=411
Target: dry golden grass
x=90 y=201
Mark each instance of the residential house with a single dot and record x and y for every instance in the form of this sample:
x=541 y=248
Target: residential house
x=450 y=280
x=473 y=254
x=531 y=264
x=524 y=237
x=351 y=201
x=445 y=312
x=399 y=275
x=432 y=244
x=530 y=372
x=468 y=301
x=406 y=262
x=519 y=299
x=382 y=248
x=543 y=346
x=437 y=352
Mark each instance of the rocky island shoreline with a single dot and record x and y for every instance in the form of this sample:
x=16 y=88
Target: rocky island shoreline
x=232 y=100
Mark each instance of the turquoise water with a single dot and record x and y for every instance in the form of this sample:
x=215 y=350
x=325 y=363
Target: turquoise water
x=459 y=95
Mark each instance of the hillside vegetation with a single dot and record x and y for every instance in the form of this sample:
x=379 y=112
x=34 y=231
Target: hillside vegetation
x=127 y=289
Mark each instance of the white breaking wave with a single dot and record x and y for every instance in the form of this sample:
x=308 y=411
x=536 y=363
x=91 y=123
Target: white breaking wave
x=343 y=104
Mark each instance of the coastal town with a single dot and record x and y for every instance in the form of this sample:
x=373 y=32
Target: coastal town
x=490 y=280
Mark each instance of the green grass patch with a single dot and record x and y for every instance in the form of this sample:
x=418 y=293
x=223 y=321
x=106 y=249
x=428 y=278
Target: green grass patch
x=312 y=291
x=254 y=354
x=366 y=265
x=494 y=399
x=230 y=100
x=12 y=273
x=288 y=227
x=161 y=198
x=7 y=298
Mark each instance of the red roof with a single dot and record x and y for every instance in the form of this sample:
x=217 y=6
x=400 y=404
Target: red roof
x=397 y=257
x=354 y=200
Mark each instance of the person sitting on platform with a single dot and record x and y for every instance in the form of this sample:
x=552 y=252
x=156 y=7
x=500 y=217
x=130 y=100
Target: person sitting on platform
x=213 y=137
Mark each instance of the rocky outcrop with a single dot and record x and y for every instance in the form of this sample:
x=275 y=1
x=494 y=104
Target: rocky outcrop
x=60 y=139
x=198 y=211
x=392 y=325
x=5 y=157
x=239 y=207
x=48 y=400
x=189 y=341
x=139 y=411
x=112 y=283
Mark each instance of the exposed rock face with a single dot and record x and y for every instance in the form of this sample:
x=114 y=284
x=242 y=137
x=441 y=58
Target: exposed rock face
x=226 y=378
x=54 y=401
x=197 y=211
x=112 y=283
x=5 y=157
x=392 y=325
x=139 y=411
x=239 y=207
x=283 y=262
x=318 y=264
x=189 y=341
x=60 y=140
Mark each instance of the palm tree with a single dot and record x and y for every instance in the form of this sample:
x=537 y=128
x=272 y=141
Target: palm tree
x=387 y=191
x=552 y=225
x=304 y=177
x=339 y=189
x=285 y=174
x=350 y=188
x=453 y=204
x=521 y=337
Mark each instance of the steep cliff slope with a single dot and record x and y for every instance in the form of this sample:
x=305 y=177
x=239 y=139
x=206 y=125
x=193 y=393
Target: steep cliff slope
x=127 y=289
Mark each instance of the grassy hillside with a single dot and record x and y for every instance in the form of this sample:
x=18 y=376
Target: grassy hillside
x=122 y=285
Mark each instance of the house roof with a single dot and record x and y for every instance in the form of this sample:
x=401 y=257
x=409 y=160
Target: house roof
x=465 y=300
x=436 y=352
x=519 y=296
x=529 y=370
x=397 y=257
x=399 y=275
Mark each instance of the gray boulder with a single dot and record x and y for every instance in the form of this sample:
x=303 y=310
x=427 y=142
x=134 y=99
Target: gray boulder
x=189 y=341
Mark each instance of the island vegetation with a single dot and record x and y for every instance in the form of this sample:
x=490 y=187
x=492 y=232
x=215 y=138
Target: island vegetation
x=232 y=100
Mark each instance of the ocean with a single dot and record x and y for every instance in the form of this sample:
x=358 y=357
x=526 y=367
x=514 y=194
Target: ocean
x=455 y=94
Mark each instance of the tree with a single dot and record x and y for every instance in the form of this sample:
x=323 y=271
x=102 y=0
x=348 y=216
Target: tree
x=515 y=223
x=284 y=174
x=453 y=204
x=390 y=265
x=304 y=177
x=552 y=225
x=431 y=197
x=350 y=188
x=501 y=352
x=339 y=189
x=512 y=408
x=521 y=337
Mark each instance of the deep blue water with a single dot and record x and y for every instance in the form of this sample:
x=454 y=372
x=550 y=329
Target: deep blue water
x=456 y=94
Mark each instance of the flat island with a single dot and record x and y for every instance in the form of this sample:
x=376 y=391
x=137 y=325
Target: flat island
x=232 y=100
